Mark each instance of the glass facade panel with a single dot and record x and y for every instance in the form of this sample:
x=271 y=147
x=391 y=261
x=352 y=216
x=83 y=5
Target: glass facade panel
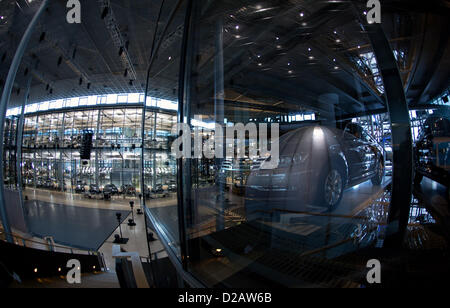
x=289 y=77
x=160 y=166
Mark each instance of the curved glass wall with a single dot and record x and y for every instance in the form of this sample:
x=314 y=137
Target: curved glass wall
x=290 y=171
x=163 y=81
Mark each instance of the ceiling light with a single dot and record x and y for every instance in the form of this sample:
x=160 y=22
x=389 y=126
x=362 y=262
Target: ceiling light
x=302 y=14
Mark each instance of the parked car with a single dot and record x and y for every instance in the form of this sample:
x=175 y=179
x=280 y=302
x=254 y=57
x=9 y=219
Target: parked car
x=80 y=187
x=128 y=190
x=172 y=186
x=158 y=189
x=432 y=152
x=111 y=189
x=316 y=165
x=94 y=189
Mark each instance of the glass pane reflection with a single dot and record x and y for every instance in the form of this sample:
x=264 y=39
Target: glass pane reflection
x=315 y=75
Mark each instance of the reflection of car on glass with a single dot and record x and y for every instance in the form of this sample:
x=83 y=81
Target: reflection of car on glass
x=432 y=152
x=316 y=164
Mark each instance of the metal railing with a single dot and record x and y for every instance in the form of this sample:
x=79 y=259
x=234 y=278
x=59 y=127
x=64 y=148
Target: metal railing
x=48 y=244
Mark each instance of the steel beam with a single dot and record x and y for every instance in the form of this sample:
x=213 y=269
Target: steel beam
x=401 y=137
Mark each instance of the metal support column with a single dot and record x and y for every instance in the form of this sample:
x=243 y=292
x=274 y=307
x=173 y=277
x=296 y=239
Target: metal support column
x=219 y=107
x=62 y=151
x=4 y=104
x=97 y=149
x=19 y=141
x=154 y=153
x=401 y=137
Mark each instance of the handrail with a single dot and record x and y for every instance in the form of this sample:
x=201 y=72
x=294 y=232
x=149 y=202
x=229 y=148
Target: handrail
x=18 y=239
x=136 y=264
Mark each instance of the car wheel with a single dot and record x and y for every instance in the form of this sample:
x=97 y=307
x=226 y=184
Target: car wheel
x=331 y=189
x=379 y=174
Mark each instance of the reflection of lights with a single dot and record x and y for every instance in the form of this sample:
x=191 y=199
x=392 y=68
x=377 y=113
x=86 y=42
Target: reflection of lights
x=318 y=133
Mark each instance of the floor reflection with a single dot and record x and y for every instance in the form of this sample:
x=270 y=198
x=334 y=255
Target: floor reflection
x=306 y=248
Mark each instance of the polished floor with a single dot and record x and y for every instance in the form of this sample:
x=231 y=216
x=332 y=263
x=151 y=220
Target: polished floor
x=79 y=227
x=137 y=235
